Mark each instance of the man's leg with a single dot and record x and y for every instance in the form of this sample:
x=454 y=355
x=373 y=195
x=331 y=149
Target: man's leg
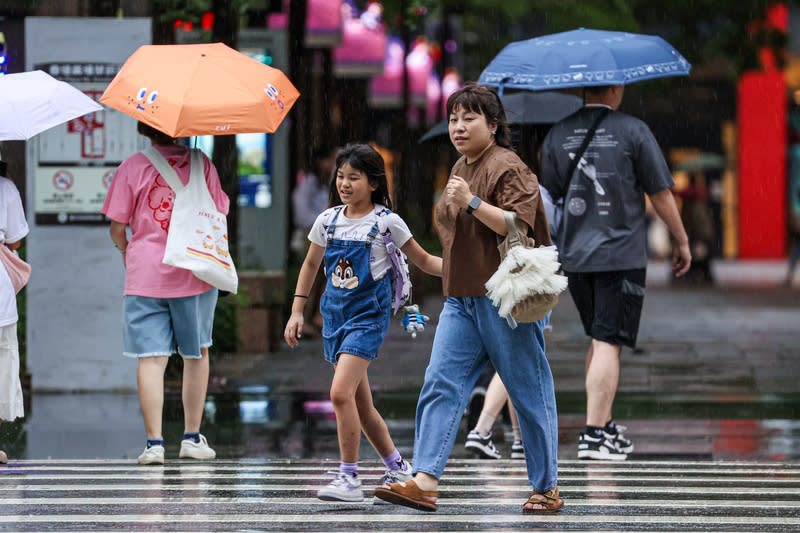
x=602 y=379
x=604 y=301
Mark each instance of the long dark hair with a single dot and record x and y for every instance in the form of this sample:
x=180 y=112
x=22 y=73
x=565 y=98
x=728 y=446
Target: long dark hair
x=483 y=100
x=365 y=158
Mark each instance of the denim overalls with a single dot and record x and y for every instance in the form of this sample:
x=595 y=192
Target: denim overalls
x=355 y=307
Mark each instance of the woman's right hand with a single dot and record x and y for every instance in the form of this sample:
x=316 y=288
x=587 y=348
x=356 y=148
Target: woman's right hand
x=294 y=329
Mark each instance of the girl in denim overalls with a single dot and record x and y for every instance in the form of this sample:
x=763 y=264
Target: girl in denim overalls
x=356 y=307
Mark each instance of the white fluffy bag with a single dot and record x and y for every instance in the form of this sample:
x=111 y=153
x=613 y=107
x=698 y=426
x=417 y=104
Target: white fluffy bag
x=527 y=282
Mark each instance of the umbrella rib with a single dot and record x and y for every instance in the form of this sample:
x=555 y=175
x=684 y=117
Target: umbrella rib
x=179 y=115
x=255 y=94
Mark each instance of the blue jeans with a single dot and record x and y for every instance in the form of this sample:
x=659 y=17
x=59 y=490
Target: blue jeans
x=470 y=333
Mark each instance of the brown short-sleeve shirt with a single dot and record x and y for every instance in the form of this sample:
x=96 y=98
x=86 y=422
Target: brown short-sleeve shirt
x=469 y=248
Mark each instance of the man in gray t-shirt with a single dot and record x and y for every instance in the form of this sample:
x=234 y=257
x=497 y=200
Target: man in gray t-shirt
x=603 y=242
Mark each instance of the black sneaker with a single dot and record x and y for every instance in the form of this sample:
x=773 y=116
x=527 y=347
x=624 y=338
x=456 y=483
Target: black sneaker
x=482 y=446
x=618 y=439
x=598 y=448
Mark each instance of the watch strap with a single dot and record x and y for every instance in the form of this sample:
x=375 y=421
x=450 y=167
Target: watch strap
x=473 y=204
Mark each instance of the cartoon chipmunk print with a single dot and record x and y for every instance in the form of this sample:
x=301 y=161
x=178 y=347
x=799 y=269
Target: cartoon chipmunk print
x=343 y=276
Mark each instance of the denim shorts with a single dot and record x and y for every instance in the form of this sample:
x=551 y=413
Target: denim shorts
x=162 y=326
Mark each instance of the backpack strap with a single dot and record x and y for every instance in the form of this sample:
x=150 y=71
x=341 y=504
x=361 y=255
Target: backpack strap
x=392 y=250
x=383 y=229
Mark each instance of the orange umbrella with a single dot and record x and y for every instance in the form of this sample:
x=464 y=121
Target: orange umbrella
x=200 y=89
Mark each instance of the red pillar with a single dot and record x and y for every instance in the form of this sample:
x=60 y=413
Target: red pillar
x=762 y=129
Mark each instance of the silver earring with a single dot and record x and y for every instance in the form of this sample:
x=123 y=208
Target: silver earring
x=493 y=132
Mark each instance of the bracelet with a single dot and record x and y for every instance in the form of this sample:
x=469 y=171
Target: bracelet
x=300 y=296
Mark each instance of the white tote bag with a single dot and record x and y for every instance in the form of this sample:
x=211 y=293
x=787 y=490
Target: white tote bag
x=198 y=234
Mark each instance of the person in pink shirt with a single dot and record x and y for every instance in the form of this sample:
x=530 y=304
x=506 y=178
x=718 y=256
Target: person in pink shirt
x=166 y=309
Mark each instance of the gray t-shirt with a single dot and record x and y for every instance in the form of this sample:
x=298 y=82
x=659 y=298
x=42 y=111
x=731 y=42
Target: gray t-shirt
x=604 y=209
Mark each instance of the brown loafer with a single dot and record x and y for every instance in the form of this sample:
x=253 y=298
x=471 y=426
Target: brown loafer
x=408 y=494
x=550 y=500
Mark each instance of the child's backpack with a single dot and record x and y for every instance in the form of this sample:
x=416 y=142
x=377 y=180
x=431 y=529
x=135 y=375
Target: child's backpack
x=401 y=278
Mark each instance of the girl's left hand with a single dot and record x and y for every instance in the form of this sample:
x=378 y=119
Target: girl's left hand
x=458 y=192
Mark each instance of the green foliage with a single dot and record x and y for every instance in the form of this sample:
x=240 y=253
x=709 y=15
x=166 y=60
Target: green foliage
x=708 y=29
x=226 y=324
x=565 y=15
x=191 y=10
x=703 y=30
x=186 y=10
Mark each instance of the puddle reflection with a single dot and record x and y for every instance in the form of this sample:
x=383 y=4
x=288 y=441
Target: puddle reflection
x=256 y=422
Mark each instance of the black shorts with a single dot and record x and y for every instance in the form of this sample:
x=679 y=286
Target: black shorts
x=610 y=303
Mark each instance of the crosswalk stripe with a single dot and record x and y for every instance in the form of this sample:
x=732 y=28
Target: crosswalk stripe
x=443 y=489
x=370 y=519
x=474 y=495
x=495 y=501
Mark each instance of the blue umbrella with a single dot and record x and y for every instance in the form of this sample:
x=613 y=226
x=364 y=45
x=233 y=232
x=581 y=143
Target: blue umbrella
x=581 y=58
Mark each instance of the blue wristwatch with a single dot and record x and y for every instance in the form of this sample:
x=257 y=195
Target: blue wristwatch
x=473 y=204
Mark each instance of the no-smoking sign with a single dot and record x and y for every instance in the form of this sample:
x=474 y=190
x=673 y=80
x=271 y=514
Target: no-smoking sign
x=63 y=180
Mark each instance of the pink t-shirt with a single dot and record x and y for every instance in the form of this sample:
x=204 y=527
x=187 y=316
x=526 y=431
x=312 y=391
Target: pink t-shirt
x=139 y=196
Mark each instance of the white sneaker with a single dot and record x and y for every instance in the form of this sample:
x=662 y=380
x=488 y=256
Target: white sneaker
x=154 y=455
x=394 y=476
x=196 y=450
x=343 y=488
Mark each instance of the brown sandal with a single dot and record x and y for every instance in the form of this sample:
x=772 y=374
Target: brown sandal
x=549 y=500
x=407 y=493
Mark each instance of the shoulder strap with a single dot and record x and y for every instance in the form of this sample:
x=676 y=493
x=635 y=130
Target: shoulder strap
x=164 y=168
x=582 y=150
x=330 y=216
x=196 y=166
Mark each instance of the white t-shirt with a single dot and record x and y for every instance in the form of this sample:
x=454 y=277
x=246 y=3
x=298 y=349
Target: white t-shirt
x=13 y=227
x=349 y=229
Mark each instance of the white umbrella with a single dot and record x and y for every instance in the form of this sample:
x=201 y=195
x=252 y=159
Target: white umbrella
x=35 y=101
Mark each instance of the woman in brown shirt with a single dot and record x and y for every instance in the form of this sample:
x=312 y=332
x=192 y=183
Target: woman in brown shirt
x=488 y=179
